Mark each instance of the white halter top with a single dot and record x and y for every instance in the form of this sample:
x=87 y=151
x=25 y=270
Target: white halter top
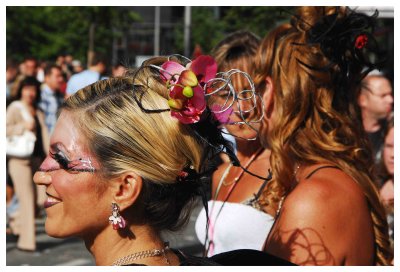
x=238 y=226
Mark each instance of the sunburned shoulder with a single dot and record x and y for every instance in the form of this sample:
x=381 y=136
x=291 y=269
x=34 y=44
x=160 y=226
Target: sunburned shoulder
x=328 y=188
x=322 y=214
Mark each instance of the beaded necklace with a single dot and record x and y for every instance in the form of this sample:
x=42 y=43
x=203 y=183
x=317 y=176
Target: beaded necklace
x=143 y=254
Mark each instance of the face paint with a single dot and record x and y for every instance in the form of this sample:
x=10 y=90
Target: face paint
x=59 y=159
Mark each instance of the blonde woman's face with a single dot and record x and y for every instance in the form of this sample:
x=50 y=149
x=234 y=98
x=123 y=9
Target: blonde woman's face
x=69 y=172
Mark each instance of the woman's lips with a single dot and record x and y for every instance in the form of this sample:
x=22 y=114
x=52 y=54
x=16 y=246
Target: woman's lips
x=50 y=201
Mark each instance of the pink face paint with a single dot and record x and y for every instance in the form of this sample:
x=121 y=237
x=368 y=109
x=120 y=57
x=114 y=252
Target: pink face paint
x=58 y=159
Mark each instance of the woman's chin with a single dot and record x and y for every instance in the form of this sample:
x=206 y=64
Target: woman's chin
x=54 y=230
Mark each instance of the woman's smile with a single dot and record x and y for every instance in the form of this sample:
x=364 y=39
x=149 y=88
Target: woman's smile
x=51 y=201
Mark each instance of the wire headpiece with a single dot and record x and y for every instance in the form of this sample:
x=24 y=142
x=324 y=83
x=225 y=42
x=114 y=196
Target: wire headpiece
x=195 y=85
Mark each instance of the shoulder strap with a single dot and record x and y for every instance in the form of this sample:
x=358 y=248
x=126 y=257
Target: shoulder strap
x=221 y=180
x=319 y=168
x=258 y=194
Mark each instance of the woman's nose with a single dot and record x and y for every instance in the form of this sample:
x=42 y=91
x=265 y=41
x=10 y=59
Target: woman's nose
x=42 y=178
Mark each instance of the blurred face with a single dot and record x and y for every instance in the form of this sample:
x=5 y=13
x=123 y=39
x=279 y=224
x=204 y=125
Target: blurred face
x=55 y=79
x=68 y=59
x=60 y=60
x=29 y=94
x=388 y=152
x=30 y=67
x=70 y=175
x=378 y=99
x=11 y=73
x=77 y=69
x=243 y=109
x=102 y=67
x=119 y=71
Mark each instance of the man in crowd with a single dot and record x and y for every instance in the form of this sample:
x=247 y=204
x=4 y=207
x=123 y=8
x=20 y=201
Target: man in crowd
x=376 y=102
x=30 y=66
x=89 y=76
x=51 y=97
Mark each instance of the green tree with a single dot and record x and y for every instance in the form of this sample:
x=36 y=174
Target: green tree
x=45 y=32
x=259 y=20
x=208 y=28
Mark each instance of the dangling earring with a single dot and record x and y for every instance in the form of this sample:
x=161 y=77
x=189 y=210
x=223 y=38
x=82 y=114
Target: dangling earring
x=116 y=219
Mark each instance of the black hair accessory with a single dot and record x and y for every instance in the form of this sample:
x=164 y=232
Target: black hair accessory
x=347 y=41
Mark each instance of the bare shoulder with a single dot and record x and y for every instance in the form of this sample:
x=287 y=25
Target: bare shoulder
x=325 y=187
x=330 y=196
x=320 y=220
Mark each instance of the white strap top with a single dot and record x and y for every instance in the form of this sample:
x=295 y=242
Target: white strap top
x=238 y=226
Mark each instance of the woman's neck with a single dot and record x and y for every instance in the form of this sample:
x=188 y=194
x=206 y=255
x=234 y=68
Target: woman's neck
x=111 y=245
x=246 y=149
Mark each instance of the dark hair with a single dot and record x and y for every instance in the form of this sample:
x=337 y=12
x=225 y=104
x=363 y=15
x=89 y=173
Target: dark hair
x=98 y=58
x=49 y=69
x=31 y=59
x=10 y=63
x=29 y=81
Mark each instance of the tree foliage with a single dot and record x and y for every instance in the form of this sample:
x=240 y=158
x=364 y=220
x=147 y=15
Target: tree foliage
x=256 y=19
x=208 y=28
x=45 y=32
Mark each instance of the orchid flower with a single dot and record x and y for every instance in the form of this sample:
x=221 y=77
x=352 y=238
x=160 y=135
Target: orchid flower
x=187 y=96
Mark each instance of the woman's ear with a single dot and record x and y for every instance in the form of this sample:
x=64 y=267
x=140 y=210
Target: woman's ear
x=127 y=188
x=268 y=96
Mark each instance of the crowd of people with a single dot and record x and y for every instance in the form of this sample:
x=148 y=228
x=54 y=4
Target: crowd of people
x=35 y=92
x=309 y=179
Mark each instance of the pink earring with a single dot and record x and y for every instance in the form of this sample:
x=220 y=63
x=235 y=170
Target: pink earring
x=116 y=219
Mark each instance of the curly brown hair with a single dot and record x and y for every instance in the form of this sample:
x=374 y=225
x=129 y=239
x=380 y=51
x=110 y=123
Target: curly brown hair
x=318 y=119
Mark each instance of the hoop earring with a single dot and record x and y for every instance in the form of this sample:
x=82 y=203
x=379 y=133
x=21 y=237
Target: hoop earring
x=117 y=221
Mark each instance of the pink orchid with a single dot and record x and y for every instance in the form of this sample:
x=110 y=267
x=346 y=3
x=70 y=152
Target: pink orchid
x=187 y=98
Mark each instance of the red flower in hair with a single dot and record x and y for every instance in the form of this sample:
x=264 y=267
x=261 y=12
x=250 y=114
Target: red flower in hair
x=361 y=41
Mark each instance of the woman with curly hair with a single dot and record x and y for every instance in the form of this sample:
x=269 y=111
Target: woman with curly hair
x=327 y=207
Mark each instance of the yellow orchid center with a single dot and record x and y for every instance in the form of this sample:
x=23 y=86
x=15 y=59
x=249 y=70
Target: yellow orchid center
x=188 y=78
x=175 y=104
x=188 y=92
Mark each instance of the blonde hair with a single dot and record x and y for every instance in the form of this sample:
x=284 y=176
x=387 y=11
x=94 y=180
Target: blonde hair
x=316 y=124
x=123 y=135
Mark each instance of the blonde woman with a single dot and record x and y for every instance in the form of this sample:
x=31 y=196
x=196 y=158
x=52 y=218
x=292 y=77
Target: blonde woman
x=327 y=207
x=127 y=159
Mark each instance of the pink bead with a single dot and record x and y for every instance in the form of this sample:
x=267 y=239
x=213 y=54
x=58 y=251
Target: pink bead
x=122 y=224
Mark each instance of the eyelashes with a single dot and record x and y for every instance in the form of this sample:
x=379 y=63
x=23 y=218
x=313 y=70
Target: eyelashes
x=59 y=160
x=62 y=160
